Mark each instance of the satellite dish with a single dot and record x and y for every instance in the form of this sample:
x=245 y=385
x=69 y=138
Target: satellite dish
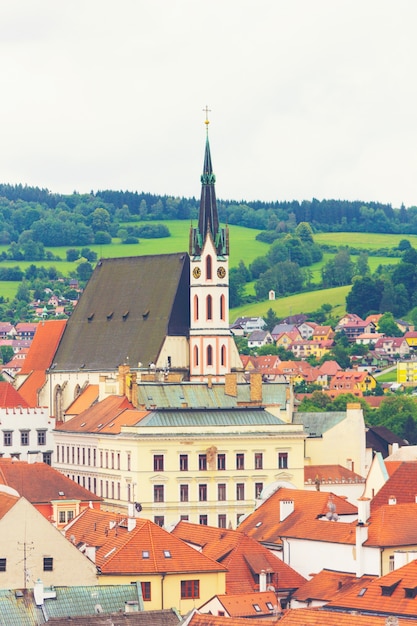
x=138 y=507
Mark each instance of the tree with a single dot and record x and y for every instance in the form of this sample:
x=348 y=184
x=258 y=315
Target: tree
x=84 y=271
x=72 y=255
x=100 y=220
x=7 y=353
x=388 y=326
x=271 y=319
x=364 y=296
x=304 y=232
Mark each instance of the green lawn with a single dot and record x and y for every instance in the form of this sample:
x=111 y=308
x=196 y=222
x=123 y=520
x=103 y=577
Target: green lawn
x=298 y=303
x=367 y=241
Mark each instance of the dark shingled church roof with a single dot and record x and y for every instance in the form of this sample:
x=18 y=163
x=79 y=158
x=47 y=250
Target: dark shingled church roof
x=127 y=309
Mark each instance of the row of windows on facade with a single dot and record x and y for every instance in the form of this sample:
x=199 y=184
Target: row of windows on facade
x=25 y=437
x=112 y=490
x=203 y=462
x=48 y=564
x=112 y=460
x=184 y=494
x=46 y=456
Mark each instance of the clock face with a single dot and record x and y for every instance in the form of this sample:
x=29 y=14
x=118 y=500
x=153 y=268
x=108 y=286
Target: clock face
x=196 y=272
x=221 y=272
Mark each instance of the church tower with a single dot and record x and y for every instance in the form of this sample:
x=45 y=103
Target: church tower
x=212 y=349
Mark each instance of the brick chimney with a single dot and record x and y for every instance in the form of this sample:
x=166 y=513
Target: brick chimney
x=256 y=388
x=230 y=385
x=124 y=370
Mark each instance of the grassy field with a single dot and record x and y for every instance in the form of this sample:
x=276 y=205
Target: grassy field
x=366 y=241
x=243 y=247
x=298 y=303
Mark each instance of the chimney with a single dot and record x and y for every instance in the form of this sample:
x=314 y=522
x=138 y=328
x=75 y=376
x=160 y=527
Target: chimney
x=134 y=389
x=256 y=388
x=364 y=509
x=230 y=384
x=262 y=580
x=286 y=507
x=361 y=537
x=38 y=592
x=209 y=381
x=123 y=371
x=395 y=447
x=131 y=524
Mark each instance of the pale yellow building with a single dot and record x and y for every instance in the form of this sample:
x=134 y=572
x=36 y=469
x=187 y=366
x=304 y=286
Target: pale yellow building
x=196 y=451
x=407 y=373
x=31 y=548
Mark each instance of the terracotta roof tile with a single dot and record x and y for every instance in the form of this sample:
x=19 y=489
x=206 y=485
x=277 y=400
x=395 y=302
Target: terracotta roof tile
x=392 y=594
x=86 y=399
x=243 y=604
x=120 y=551
x=330 y=474
x=264 y=525
x=44 y=345
x=243 y=556
x=10 y=398
x=31 y=386
x=323 y=617
x=7 y=501
x=40 y=483
x=393 y=525
x=328 y=583
x=402 y=484
x=98 y=417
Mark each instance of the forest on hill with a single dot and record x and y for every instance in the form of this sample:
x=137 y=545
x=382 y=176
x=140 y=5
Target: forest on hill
x=34 y=221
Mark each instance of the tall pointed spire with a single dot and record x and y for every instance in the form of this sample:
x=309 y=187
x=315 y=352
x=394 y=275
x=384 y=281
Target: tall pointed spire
x=208 y=218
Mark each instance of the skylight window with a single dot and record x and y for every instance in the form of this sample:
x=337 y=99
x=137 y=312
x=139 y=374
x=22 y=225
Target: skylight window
x=145 y=554
x=269 y=606
x=167 y=554
x=362 y=591
x=258 y=524
x=257 y=608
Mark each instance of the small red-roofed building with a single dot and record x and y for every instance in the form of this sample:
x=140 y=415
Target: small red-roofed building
x=250 y=566
x=334 y=478
x=56 y=496
x=257 y=604
x=353 y=381
x=323 y=333
x=26 y=330
x=126 y=548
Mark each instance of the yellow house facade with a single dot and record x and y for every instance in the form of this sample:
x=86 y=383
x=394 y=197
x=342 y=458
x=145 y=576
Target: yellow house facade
x=407 y=373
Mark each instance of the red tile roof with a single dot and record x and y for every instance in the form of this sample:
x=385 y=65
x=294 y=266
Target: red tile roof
x=7 y=501
x=40 y=483
x=393 y=525
x=243 y=604
x=39 y=358
x=243 y=556
x=323 y=617
x=10 y=398
x=86 y=399
x=44 y=345
x=121 y=552
x=101 y=417
x=402 y=484
x=325 y=585
x=330 y=474
x=264 y=525
x=392 y=594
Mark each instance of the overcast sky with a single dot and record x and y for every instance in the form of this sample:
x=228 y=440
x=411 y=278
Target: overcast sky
x=308 y=98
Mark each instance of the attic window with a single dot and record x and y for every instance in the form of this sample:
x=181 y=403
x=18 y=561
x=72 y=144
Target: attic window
x=145 y=314
x=145 y=554
x=125 y=314
x=410 y=592
x=167 y=554
x=83 y=424
x=257 y=608
x=109 y=315
x=362 y=592
x=61 y=493
x=99 y=425
x=388 y=590
x=90 y=316
x=258 y=524
x=269 y=606
x=109 y=553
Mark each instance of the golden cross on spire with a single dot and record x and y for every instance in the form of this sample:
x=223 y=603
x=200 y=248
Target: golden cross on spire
x=207 y=111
